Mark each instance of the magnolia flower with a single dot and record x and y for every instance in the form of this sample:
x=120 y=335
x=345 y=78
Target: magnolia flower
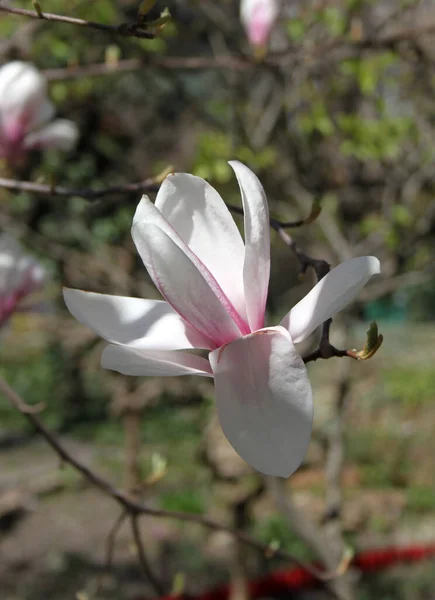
x=258 y=18
x=19 y=276
x=215 y=289
x=25 y=114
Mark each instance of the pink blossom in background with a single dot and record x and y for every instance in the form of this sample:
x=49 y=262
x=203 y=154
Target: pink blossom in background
x=26 y=113
x=215 y=288
x=258 y=18
x=20 y=275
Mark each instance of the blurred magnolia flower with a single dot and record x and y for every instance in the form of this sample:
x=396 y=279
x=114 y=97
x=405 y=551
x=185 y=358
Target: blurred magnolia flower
x=258 y=18
x=26 y=112
x=215 y=287
x=19 y=276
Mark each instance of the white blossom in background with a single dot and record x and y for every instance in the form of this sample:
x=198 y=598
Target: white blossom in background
x=20 y=275
x=215 y=289
x=258 y=18
x=26 y=114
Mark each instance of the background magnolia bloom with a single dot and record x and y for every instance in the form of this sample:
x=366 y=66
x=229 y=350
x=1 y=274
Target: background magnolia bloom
x=258 y=18
x=26 y=112
x=215 y=287
x=19 y=276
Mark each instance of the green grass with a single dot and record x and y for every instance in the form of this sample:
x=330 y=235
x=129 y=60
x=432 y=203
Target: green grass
x=410 y=387
x=187 y=500
x=421 y=499
x=275 y=530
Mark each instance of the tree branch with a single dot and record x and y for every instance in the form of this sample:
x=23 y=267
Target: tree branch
x=133 y=29
x=134 y=507
x=142 y=557
x=147 y=185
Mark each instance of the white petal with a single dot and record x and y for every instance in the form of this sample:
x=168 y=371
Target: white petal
x=256 y=269
x=167 y=258
x=264 y=400
x=17 y=271
x=23 y=98
x=337 y=289
x=133 y=361
x=200 y=217
x=61 y=134
x=258 y=18
x=146 y=324
x=10 y=256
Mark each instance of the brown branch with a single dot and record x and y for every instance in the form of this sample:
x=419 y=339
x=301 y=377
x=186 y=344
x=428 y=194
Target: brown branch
x=188 y=63
x=321 y=268
x=132 y=29
x=134 y=507
x=235 y=62
x=405 y=35
x=110 y=546
x=309 y=533
x=148 y=185
x=142 y=557
x=333 y=528
x=326 y=349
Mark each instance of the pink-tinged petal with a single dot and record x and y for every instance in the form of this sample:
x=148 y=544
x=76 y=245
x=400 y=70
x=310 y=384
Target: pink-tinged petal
x=264 y=400
x=61 y=134
x=337 y=289
x=258 y=18
x=145 y=324
x=18 y=273
x=228 y=320
x=256 y=268
x=200 y=217
x=134 y=361
x=23 y=101
x=10 y=257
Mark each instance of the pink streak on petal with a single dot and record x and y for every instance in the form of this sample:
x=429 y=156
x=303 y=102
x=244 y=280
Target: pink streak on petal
x=261 y=25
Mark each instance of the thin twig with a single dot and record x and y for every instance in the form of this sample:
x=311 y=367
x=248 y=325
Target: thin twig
x=134 y=507
x=142 y=557
x=321 y=268
x=148 y=185
x=233 y=62
x=308 y=532
x=110 y=545
x=132 y=29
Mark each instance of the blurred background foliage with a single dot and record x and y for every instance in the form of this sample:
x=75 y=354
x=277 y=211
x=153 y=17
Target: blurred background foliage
x=341 y=111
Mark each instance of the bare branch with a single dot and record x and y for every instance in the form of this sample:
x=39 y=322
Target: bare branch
x=132 y=29
x=309 y=533
x=135 y=508
x=110 y=545
x=142 y=557
x=148 y=185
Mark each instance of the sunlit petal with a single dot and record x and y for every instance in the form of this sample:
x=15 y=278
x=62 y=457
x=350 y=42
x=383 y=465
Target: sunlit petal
x=264 y=400
x=146 y=324
x=186 y=284
x=134 y=361
x=200 y=217
x=337 y=289
x=256 y=268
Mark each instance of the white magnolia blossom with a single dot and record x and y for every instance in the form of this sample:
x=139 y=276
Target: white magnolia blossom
x=26 y=112
x=215 y=289
x=20 y=275
x=258 y=18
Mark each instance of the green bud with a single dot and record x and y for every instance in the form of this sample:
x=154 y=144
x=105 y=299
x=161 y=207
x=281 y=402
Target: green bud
x=373 y=343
